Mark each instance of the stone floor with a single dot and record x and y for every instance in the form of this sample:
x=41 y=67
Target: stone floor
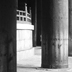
x=33 y=64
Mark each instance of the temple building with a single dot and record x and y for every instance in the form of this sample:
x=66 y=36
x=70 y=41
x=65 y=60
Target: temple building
x=19 y=30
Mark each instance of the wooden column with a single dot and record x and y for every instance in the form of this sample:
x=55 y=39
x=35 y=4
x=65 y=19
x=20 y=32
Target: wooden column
x=55 y=33
x=70 y=27
x=35 y=25
x=8 y=36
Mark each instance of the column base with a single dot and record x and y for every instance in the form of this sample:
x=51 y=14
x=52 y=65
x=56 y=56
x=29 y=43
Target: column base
x=54 y=66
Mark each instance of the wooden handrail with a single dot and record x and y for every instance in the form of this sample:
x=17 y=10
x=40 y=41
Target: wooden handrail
x=24 y=15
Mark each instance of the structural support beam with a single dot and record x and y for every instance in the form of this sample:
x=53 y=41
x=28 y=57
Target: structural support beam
x=8 y=36
x=35 y=25
x=70 y=27
x=55 y=33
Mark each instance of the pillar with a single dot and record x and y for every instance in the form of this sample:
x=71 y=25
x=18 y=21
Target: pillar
x=35 y=23
x=70 y=27
x=54 y=33
x=26 y=10
x=8 y=36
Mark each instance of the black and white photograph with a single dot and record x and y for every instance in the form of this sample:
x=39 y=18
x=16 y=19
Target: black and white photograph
x=36 y=36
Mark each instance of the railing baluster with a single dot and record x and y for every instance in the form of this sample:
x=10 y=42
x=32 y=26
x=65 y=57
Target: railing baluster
x=26 y=10
x=24 y=16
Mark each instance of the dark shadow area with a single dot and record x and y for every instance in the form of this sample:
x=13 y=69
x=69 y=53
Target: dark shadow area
x=37 y=68
x=27 y=67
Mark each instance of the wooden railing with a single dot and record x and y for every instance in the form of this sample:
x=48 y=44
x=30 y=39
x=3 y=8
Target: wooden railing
x=24 y=16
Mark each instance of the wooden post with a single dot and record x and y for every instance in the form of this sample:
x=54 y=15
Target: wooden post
x=55 y=33
x=30 y=14
x=70 y=27
x=26 y=10
x=8 y=36
x=35 y=26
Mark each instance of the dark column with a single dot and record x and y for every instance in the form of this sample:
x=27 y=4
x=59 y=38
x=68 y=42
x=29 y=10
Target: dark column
x=55 y=33
x=8 y=36
x=70 y=27
x=35 y=24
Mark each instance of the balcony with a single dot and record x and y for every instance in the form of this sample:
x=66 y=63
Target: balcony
x=23 y=16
